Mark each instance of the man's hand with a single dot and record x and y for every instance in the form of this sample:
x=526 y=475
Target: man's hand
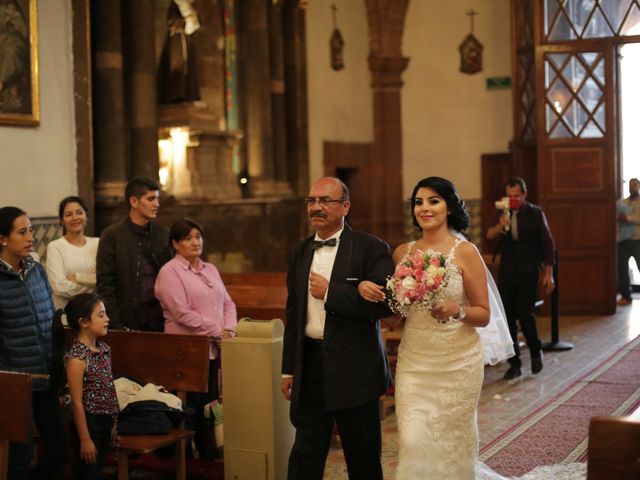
x=318 y=285
x=285 y=387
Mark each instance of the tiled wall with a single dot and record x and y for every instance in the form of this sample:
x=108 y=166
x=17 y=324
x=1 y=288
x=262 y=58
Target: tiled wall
x=45 y=229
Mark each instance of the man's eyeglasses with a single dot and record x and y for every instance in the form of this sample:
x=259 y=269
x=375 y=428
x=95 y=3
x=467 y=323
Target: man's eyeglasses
x=323 y=201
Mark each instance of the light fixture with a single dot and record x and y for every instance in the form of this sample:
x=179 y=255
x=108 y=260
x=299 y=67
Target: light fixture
x=173 y=173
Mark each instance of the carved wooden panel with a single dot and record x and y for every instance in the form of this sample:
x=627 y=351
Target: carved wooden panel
x=576 y=170
x=579 y=226
x=581 y=280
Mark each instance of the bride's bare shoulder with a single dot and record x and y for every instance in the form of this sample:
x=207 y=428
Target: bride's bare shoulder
x=468 y=252
x=400 y=251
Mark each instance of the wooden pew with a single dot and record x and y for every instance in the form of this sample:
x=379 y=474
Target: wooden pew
x=15 y=416
x=614 y=448
x=258 y=295
x=275 y=279
x=180 y=363
x=259 y=302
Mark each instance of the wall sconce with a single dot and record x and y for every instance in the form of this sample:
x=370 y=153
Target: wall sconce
x=173 y=173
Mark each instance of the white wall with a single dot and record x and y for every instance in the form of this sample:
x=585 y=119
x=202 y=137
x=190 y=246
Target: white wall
x=340 y=103
x=38 y=164
x=449 y=118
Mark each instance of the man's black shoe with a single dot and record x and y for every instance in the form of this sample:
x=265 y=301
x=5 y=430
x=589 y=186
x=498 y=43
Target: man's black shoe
x=536 y=365
x=512 y=373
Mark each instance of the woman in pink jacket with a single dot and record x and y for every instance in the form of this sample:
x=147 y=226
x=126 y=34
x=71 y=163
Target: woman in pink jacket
x=195 y=302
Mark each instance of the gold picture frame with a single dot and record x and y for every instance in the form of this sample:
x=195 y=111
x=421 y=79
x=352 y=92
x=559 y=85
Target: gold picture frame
x=19 y=92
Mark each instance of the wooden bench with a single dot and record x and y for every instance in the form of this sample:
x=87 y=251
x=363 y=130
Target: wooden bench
x=274 y=279
x=15 y=419
x=614 y=448
x=258 y=295
x=180 y=363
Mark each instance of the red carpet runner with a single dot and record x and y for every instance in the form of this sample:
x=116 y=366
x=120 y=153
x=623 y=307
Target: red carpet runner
x=557 y=431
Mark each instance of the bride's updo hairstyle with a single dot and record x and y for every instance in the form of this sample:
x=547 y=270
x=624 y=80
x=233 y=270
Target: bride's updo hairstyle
x=458 y=219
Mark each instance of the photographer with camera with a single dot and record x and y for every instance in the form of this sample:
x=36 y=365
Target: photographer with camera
x=525 y=245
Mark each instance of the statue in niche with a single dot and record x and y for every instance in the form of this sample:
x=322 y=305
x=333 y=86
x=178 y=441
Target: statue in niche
x=177 y=72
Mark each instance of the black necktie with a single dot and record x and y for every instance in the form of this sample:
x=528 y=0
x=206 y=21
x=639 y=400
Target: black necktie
x=332 y=242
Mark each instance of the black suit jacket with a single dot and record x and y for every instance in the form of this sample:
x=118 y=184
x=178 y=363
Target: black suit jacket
x=355 y=365
x=535 y=243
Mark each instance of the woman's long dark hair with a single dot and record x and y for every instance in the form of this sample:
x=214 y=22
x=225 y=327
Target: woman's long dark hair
x=458 y=218
x=79 y=307
x=8 y=215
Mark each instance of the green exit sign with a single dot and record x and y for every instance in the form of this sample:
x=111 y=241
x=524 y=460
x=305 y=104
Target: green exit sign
x=498 y=83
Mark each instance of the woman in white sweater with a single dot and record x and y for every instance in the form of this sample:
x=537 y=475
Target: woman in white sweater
x=71 y=259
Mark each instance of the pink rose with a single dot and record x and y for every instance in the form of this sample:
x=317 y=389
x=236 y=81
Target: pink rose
x=435 y=261
x=403 y=271
x=420 y=290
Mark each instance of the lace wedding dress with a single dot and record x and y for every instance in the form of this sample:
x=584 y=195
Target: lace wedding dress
x=439 y=376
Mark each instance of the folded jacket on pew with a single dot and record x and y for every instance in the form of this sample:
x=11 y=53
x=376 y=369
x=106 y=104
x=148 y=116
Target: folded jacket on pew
x=129 y=391
x=148 y=417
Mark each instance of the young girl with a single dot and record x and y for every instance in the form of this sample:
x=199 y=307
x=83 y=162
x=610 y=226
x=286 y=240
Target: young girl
x=93 y=396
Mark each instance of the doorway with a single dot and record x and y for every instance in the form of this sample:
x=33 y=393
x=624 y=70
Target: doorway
x=629 y=68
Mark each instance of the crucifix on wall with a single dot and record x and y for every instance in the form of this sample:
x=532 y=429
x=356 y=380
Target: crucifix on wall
x=336 y=43
x=471 y=50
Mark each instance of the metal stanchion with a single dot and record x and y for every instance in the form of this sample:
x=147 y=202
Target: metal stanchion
x=555 y=344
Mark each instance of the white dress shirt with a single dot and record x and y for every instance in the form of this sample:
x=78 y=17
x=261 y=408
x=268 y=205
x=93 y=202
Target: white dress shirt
x=322 y=264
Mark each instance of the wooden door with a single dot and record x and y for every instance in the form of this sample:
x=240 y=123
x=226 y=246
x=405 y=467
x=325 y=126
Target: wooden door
x=577 y=168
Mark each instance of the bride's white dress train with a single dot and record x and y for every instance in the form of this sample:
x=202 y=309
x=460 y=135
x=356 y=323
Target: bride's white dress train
x=439 y=376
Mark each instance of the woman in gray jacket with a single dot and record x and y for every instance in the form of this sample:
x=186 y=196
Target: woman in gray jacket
x=26 y=312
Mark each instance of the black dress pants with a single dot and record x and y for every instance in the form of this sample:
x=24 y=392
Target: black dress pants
x=48 y=418
x=100 y=427
x=359 y=429
x=519 y=289
x=197 y=401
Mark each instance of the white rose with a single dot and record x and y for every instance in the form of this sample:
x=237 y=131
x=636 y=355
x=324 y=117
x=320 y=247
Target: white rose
x=409 y=283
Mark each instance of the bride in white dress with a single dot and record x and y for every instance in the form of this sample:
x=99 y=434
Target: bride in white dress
x=442 y=353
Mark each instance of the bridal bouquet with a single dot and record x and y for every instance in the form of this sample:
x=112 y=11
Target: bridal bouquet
x=418 y=282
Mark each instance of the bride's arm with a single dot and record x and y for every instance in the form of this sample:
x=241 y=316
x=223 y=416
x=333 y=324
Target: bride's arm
x=475 y=284
x=474 y=277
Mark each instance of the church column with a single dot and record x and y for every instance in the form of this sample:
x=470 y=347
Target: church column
x=276 y=45
x=386 y=161
x=108 y=99
x=386 y=62
x=256 y=88
x=139 y=34
x=254 y=53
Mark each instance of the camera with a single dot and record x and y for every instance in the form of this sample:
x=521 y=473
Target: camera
x=504 y=204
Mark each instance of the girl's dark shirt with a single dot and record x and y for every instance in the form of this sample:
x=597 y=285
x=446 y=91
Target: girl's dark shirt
x=98 y=391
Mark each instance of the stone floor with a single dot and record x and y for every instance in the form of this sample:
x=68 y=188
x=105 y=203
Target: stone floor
x=502 y=403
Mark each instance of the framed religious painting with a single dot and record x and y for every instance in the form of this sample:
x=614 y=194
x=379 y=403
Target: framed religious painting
x=19 y=95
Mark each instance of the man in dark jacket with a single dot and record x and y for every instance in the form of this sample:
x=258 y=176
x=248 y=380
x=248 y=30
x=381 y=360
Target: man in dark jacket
x=130 y=255
x=334 y=366
x=526 y=244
